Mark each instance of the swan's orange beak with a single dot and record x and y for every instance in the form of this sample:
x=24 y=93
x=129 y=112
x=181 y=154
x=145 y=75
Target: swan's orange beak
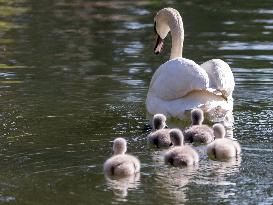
x=159 y=42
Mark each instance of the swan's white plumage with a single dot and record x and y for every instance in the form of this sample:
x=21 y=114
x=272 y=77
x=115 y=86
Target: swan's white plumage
x=177 y=77
x=220 y=76
x=180 y=84
x=177 y=107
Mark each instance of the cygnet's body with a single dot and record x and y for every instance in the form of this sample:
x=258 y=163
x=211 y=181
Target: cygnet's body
x=222 y=148
x=197 y=132
x=180 y=155
x=121 y=164
x=160 y=137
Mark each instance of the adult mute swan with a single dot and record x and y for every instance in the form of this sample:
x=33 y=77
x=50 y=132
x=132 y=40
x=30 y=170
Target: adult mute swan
x=180 y=84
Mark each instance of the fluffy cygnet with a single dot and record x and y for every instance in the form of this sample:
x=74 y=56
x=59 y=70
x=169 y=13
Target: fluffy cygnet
x=197 y=132
x=121 y=164
x=222 y=148
x=180 y=155
x=160 y=136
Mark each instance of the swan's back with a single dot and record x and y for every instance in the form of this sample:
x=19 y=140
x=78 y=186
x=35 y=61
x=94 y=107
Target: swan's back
x=121 y=165
x=181 y=156
x=220 y=76
x=176 y=78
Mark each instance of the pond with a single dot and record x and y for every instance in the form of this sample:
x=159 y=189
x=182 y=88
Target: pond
x=74 y=76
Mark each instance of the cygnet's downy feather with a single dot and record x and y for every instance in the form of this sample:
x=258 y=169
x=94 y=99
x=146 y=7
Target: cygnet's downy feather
x=160 y=136
x=121 y=164
x=180 y=155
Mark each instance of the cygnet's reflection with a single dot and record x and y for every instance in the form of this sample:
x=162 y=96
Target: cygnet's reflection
x=219 y=175
x=120 y=186
x=171 y=182
x=224 y=172
x=223 y=169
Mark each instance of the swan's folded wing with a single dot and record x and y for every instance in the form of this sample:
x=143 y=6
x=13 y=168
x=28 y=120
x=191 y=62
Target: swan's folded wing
x=178 y=77
x=220 y=76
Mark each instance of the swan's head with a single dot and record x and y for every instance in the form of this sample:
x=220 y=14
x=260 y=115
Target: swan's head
x=177 y=137
x=219 y=131
x=197 y=117
x=159 y=121
x=120 y=146
x=165 y=20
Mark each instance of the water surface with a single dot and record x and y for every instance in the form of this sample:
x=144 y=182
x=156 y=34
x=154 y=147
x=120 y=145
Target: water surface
x=74 y=76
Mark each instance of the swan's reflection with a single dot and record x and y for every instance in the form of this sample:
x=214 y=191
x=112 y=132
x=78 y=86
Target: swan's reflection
x=120 y=186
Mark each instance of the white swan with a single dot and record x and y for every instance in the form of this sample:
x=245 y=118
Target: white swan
x=180 y=84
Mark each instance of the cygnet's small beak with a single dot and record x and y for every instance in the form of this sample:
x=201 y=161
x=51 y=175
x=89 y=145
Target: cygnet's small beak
x=166 y=126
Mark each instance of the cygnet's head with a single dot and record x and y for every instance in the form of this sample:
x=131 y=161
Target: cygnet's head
x=164 y=21
x=219 y=131
x=177 y=137
x=159 y=121
x=197 y=117
x=120 y=146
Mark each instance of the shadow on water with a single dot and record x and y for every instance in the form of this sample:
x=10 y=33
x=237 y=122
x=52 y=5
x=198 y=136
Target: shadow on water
x=74 y=75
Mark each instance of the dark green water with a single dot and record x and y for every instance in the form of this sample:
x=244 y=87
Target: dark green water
x=74 y=75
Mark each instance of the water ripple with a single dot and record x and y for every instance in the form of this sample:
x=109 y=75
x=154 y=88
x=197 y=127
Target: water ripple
x=268 y=46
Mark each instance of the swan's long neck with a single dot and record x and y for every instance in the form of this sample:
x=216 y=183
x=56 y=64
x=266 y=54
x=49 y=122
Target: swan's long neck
x=118 y=152
x=177 y=33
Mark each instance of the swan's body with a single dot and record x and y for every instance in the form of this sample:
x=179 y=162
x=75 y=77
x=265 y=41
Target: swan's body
x=121 y=164
x=197 y=132
x=160 y=137
x=180 y=84
x=222 y=148
x=180 y=155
